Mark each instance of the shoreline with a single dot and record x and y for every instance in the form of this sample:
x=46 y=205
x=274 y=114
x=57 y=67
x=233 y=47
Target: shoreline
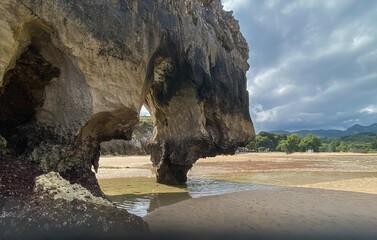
x=334 y=171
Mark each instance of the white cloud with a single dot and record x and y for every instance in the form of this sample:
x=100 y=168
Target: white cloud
x=361 y=41
x=272 y=3
x=371 y=109
x=262 y=115
x=283 y=89
x=297 y=5
x=233 y=4
x=351 y=121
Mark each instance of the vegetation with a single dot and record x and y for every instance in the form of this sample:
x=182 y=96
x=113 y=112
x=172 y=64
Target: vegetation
x=147 y=119
x=310 y=142
x=268 y=142
x=290 y=143
x=374 y=143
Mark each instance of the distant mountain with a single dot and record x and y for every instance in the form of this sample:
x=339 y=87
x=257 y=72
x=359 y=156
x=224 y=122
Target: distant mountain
x=365 y=137
x=355 y=129
x=360 y=129
x=280 y=132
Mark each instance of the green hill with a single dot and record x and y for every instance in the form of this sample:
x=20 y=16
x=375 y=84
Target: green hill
x=332 y=133
x=360 y=137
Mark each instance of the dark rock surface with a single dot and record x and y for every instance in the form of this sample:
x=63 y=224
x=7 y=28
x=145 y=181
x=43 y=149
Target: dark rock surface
x=26 y=211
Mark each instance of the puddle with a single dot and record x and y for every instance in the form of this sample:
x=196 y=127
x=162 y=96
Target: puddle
x=143 y=204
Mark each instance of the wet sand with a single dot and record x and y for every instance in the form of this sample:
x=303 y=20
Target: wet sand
x=281 y=212
x=301 y=206
x=129 y=166
x=336 y=171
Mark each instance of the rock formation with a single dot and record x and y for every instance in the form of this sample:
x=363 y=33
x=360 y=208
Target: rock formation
x=137 y=146
x=49 y=207
x=76 y=73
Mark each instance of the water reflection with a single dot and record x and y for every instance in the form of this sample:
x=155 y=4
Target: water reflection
x=142 y=204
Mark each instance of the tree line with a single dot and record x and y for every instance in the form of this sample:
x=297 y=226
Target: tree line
x=290 y=143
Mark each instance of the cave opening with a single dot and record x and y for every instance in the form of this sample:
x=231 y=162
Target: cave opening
x=138 y=145
x=21 y=95
x=44 y=101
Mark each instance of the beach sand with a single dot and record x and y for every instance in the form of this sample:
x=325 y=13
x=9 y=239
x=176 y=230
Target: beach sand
x=362 y=185
x=285 y=211
x=319 y=193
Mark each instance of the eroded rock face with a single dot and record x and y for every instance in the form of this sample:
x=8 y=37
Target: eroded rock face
x=198 y=85
x=186 y=60
x=75 y=73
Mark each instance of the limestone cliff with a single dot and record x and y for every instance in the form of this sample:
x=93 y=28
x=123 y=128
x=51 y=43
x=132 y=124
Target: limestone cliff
x=75 y=73
x=77 y=61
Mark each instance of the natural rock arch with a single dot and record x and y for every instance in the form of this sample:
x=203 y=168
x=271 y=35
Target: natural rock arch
x=186 y=60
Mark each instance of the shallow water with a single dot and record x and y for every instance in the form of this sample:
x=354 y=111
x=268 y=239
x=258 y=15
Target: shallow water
x=141 y=196
x=142 y=204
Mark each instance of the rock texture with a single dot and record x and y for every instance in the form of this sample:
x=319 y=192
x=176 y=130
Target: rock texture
x=36 y=206
x=75 y=61
x=74 y=74
x=137 y=146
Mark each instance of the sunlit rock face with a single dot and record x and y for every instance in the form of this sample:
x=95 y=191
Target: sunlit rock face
x=76 y=73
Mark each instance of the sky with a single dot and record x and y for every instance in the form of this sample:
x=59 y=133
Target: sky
x=313 y=62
